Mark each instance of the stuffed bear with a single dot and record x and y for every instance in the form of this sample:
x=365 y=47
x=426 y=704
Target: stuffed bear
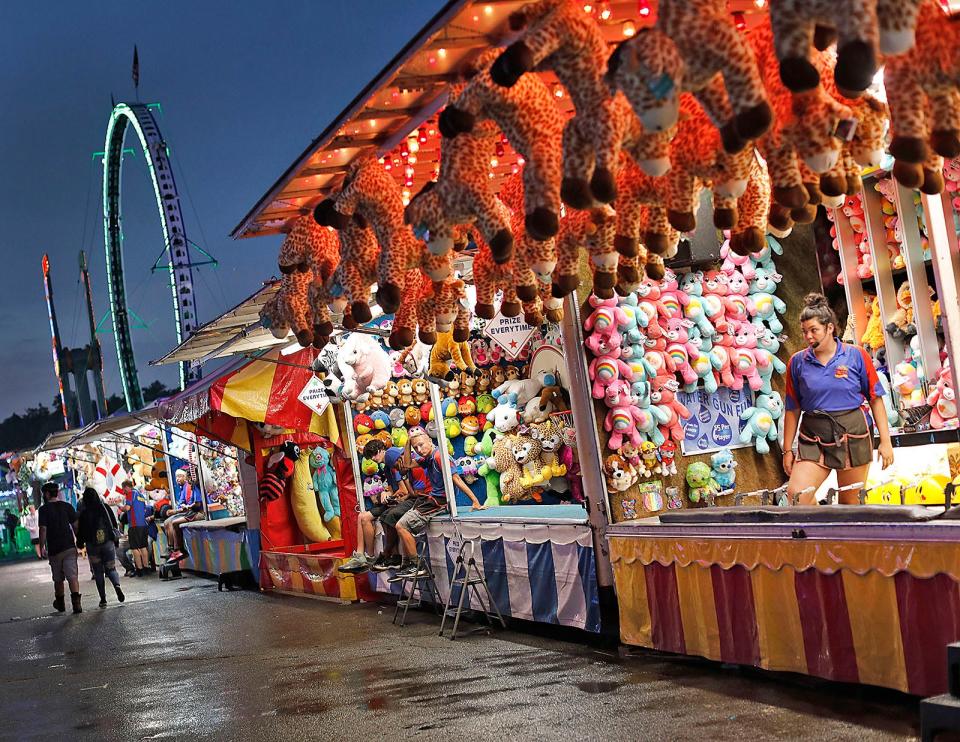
x=530 y=119
x=695 y=47
x=700 y=482
x=619 y=474
x=761 y=421
x=324 y=483
x=723 y=469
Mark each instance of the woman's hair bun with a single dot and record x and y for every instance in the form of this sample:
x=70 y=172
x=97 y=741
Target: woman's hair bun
x=815 y=300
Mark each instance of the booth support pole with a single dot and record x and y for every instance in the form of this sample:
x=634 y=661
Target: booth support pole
x=442 y=445
x=882 y=269
x=917 y=275
x=851 y=283
x=354 y=455
x=946 y=271
x=588 y=442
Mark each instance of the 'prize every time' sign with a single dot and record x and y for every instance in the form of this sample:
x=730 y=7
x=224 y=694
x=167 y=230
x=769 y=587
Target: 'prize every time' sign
x=714 y=419
x=314 y=395
x=510 y=333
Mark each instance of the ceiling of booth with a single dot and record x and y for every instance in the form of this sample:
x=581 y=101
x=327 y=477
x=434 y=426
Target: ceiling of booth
x=406 y=96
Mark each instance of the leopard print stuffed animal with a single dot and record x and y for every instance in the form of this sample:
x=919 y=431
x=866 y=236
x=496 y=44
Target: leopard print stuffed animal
x=535 y=260
x=698 y=157
x=462 y=195
x=861 y=28
x=594 y=230
x=923 y=90
x=359 y=266
x=290 y=308
x=529 y=117
x=560 y=37
x=753 y=207
x=640 y=214
x=405 y=318
x=693 y=47
x=490 y=277
x=370 y=191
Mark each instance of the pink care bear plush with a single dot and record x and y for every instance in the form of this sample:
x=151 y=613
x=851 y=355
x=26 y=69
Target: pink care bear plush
x=605 y=338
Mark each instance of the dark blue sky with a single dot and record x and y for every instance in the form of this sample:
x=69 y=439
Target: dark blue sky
x=244 y=87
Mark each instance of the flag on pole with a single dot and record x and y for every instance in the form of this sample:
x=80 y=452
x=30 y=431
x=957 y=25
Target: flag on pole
x=136 y=68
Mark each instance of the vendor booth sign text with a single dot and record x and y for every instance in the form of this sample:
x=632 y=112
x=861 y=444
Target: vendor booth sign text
x=714 y=419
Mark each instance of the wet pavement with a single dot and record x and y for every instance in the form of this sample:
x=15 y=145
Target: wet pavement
x=180 y=660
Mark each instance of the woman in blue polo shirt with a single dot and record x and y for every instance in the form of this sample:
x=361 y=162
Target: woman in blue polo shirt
x=828 y=382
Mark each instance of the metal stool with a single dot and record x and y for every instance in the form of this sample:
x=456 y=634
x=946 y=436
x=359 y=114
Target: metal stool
x=462 y=576
x=417 y=584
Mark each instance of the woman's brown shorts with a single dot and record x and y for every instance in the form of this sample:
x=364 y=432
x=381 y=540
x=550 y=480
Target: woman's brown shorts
x=835 y=440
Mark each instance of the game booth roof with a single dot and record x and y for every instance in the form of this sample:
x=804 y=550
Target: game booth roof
x=402 y=102
x=259 y=390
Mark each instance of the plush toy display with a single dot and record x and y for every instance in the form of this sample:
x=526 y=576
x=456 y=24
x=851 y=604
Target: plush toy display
x=447 y=350
x=943 y=401
x=359 y=265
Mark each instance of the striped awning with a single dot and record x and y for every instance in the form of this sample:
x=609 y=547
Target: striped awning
x=262 y=390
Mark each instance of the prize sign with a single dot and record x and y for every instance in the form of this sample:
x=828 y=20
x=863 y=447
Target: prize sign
x=714 y=419
x=314 y=395
x=510 y=333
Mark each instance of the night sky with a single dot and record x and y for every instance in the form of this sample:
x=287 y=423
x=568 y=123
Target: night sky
x=244 y=88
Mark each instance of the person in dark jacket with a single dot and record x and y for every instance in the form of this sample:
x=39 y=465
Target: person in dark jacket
x=96 y=529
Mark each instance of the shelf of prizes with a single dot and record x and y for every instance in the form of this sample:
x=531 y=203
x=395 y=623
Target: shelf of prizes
x=709 y=556
x=496 y=398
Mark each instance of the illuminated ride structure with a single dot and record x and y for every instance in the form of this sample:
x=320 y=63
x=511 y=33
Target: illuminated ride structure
x=140 y=118
x=74 y=366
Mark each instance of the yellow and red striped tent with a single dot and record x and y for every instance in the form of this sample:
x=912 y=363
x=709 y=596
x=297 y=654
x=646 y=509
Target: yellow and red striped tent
x=261 y=390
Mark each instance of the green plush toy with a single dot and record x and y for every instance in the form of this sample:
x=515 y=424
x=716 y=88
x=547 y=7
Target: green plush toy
x=491 y=476
x=700 y=481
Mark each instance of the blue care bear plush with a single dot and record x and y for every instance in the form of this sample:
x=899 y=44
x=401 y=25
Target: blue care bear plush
x=723 y=468
x=762 y=421
x=324 y=483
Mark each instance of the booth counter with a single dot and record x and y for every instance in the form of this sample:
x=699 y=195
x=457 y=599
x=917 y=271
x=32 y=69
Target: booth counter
x=863 y=602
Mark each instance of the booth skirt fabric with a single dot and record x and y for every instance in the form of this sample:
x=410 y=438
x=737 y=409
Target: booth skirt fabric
x=531 y=575
x=883 y=619
x=835 y=440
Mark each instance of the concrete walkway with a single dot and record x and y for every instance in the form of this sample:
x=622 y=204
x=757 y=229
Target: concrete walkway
x=179 y=660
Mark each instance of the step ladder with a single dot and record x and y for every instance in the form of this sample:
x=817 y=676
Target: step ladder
x=468 y=576
x=942 y=713
x=418 y=584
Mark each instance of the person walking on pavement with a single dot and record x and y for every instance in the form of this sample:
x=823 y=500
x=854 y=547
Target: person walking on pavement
x=12 y=521
x=98 y=532
x=31 y=521
x=57 y=520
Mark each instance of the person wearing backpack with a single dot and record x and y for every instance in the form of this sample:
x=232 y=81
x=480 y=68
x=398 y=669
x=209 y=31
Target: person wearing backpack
x=97 y=530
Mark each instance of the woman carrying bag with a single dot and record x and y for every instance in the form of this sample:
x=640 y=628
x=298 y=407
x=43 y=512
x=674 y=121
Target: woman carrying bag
x=97 y=530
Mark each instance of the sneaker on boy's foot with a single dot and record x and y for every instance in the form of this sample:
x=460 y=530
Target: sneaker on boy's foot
x=407 y=571
x=384 y=563
x=355 y=564
x=103 y=602
x=120 y=596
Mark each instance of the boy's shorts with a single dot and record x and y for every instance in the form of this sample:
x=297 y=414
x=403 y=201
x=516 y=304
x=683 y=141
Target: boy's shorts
x=414 y=521
x=394 y=513
x=64 y=565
